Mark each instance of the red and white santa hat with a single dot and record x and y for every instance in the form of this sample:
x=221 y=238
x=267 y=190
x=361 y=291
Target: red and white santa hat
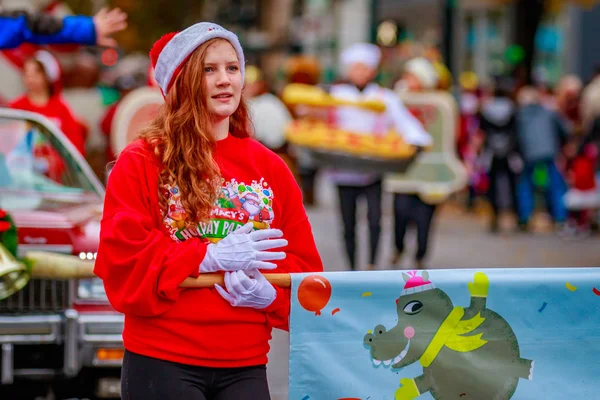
x=51 y=68
x=171 y=51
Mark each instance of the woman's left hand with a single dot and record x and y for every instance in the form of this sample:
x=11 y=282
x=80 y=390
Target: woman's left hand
x=247 y=289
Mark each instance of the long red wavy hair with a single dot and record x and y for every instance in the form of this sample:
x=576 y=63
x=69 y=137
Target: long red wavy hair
x=181 y=138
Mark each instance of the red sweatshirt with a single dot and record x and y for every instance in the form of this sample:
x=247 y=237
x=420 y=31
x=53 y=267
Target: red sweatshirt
x=583 y=171
x=143 y=256
x=57 y=111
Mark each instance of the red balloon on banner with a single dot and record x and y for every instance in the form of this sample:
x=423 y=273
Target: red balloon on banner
x=314 y=293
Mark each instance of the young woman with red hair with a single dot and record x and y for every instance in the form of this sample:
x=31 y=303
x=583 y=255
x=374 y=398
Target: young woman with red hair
x=195 y=194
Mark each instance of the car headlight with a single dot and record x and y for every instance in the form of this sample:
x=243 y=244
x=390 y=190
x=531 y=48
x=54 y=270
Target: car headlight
x=87 y=256
x=91 y=289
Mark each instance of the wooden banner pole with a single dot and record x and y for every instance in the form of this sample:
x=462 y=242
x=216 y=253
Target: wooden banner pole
x=208 y=280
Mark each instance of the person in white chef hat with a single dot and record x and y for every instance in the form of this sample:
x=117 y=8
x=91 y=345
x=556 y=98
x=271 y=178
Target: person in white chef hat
x=359 y=63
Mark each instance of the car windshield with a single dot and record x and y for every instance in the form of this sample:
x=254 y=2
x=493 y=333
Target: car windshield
x=36 y=170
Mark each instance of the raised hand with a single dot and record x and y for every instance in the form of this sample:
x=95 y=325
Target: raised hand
x=244 y=250
x=108 y=23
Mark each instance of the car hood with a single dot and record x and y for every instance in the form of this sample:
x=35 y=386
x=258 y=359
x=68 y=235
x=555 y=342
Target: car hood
x=59 y=218
x=55 y=211
x=55 y=222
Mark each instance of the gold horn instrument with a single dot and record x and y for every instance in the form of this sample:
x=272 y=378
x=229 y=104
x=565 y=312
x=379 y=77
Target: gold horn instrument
x=13 y=274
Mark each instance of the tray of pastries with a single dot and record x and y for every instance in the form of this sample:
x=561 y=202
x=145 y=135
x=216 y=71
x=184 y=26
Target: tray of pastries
x=315 y=130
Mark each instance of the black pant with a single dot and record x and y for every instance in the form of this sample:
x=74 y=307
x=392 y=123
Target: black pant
x=349 y=196
x=308 y=177
x=409 y=207
x=498 y=169
x=146 y=378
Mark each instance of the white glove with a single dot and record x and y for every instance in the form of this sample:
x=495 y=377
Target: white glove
x=247 y=289
x=244 y=249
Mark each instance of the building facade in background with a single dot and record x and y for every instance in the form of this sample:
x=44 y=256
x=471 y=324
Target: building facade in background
x=484 y=35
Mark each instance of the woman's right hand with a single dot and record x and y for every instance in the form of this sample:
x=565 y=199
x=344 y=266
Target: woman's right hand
x=243 y=250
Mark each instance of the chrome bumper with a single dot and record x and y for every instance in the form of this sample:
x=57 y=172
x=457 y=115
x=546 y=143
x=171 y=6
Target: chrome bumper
x=80 y=334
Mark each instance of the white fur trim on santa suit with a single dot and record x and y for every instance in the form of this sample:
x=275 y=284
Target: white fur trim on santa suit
x=185 y=42
x=424 y=71
x=365 y=53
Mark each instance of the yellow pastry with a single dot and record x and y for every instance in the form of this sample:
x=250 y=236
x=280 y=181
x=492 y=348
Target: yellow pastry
x=319 y=134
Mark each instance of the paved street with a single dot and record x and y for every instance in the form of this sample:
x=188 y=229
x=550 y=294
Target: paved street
x=460 y=240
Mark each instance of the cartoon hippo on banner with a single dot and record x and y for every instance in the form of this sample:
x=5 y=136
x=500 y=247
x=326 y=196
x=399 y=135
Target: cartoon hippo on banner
x=466 y=353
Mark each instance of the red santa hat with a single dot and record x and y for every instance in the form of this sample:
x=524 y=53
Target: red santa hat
x=171 y=51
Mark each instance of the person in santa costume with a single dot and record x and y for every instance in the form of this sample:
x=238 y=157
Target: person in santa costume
x=360 y=62
x=199 y=343
x=41 y=76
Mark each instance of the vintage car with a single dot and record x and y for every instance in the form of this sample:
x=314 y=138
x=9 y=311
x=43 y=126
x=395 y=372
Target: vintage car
x=59 y=337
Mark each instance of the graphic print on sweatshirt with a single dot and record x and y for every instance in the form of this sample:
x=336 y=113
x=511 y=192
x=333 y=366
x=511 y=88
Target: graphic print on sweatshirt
x=238 y=203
